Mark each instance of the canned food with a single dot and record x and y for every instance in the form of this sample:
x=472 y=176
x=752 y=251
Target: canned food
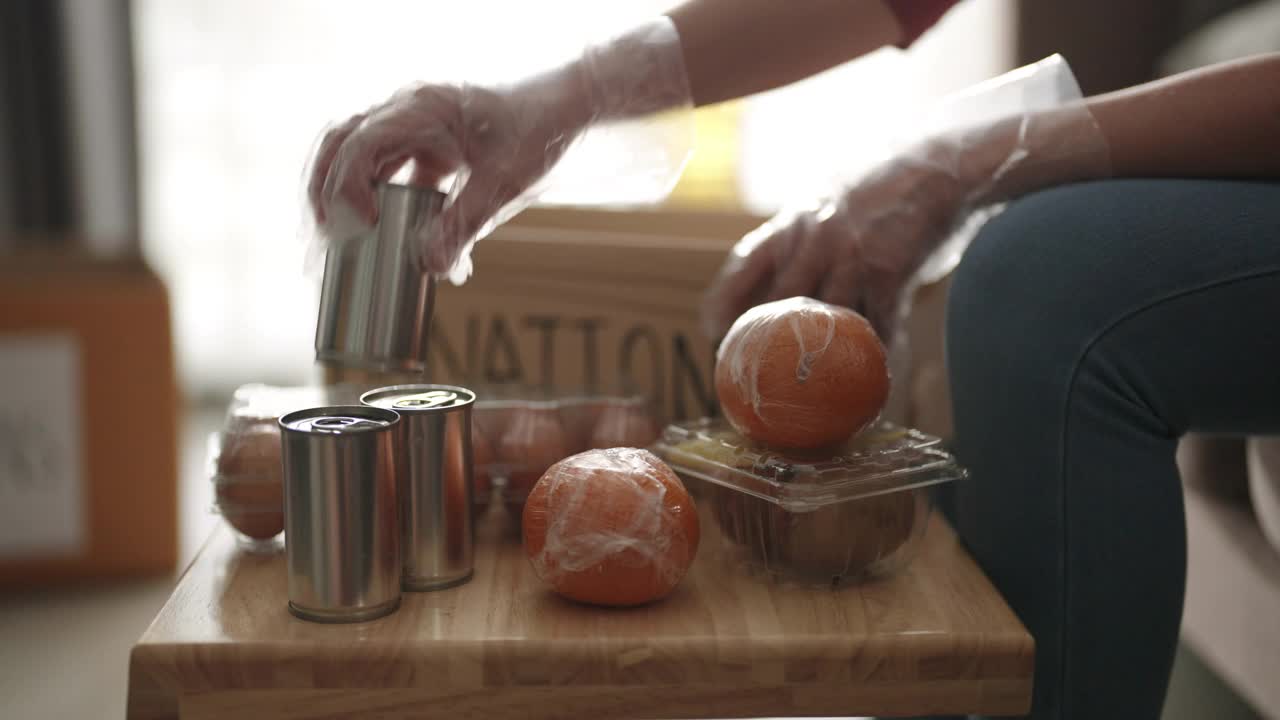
x=375 y=305
x=433 y=444
x=341 y=521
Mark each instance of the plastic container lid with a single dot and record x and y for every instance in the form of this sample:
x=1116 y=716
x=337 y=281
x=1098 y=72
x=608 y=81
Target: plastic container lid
x=882 y=459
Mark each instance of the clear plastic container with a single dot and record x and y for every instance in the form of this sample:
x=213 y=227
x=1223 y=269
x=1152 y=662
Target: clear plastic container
x=856 y=514
x=244 y=458
x=248 y=496
x=517 y=437
x=517 y=434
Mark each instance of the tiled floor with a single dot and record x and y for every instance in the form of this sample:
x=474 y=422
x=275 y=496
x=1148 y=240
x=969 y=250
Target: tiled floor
x=64 y=654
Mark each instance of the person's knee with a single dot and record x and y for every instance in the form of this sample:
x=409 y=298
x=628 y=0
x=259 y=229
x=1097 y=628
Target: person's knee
x=1015 y=318
x=1072 y=260
x=1035 y=267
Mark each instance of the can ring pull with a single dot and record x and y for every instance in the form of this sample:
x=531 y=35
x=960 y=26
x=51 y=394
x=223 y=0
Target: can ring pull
x=339 y=425
x=429 y=399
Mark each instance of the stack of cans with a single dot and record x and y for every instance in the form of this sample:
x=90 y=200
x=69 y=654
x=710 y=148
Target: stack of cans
x=378 y=495
x=378 y=499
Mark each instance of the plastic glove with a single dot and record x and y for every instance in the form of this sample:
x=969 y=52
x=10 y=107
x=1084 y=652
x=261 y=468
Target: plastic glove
x=861 y=247
x=499 y=140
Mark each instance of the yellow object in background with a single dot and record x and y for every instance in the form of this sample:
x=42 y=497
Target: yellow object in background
x=710 y=179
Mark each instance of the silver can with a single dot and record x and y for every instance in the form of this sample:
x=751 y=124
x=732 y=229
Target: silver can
x=375 y=305
x=342 y=535
x=436 y=488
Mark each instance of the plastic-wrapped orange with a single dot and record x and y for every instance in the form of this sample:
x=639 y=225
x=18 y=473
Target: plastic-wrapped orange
x=611 y=527
x=801 y=374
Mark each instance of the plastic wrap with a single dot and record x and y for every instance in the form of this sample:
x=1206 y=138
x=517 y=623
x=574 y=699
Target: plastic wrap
x=517 y=438
x=1033 y=121
x=611 y=527
x=244 y=458
x=624 y=422
x=801 y=374
x=248 y=485
x=854 y=514
x=533 y=441
x=910 y=217
x=624 y=103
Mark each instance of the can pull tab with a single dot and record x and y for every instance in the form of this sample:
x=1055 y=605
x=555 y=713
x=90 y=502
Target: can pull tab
x=429 y=399
x=338 y=424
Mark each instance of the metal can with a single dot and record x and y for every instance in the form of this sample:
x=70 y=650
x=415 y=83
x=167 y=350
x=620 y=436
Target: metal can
x=342 y=537
x=436 y=488
x=375 y=305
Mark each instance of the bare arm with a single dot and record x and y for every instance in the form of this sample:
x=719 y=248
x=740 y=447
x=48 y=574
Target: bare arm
x=735 y=48
x=1221 y=121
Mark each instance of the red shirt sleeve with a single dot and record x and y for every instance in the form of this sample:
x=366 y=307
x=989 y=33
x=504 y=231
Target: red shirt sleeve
x=917 y=16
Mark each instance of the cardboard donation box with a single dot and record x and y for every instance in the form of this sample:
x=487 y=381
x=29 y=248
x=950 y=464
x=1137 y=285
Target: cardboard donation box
x=588 y=302
x=88 y=421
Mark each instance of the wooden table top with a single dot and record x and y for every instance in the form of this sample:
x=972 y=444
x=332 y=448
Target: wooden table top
x=936 y=638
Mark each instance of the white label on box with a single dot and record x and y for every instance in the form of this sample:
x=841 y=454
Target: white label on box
x=42 y=493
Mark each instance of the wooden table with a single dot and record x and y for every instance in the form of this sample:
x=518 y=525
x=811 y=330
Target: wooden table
x=935 y=639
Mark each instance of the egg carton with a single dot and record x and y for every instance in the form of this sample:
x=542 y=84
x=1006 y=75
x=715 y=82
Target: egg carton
x=251 y=503
x=517 y=438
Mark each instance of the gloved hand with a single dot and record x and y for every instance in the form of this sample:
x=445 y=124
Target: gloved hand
x=855 y=249
x=500 y=140
x=860 y=248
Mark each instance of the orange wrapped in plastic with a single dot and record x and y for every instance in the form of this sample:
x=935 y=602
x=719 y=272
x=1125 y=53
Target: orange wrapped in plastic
x=611 y=527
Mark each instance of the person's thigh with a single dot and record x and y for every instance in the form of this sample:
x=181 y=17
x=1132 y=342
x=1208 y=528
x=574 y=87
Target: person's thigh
x=1088 y=328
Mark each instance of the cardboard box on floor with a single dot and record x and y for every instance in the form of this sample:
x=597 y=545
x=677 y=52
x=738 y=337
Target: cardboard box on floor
x=601 y=301
x=88 y=421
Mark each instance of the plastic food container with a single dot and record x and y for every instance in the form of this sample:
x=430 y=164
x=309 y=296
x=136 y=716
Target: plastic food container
x=244 y=459
x=515 y=439
x=248 y=495
x=828 y=521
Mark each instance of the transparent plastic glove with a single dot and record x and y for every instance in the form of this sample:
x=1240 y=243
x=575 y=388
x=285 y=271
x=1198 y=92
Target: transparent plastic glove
x=498 y=142
x=861 y=247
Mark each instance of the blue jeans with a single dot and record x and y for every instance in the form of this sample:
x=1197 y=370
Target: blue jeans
x=1088 y=328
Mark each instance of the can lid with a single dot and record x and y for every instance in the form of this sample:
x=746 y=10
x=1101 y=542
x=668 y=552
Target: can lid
x=338 y=420
x=419 y=398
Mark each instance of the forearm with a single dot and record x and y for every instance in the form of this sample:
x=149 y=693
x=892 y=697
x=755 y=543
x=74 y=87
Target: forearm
x=1222 y=121
x=735 y=48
